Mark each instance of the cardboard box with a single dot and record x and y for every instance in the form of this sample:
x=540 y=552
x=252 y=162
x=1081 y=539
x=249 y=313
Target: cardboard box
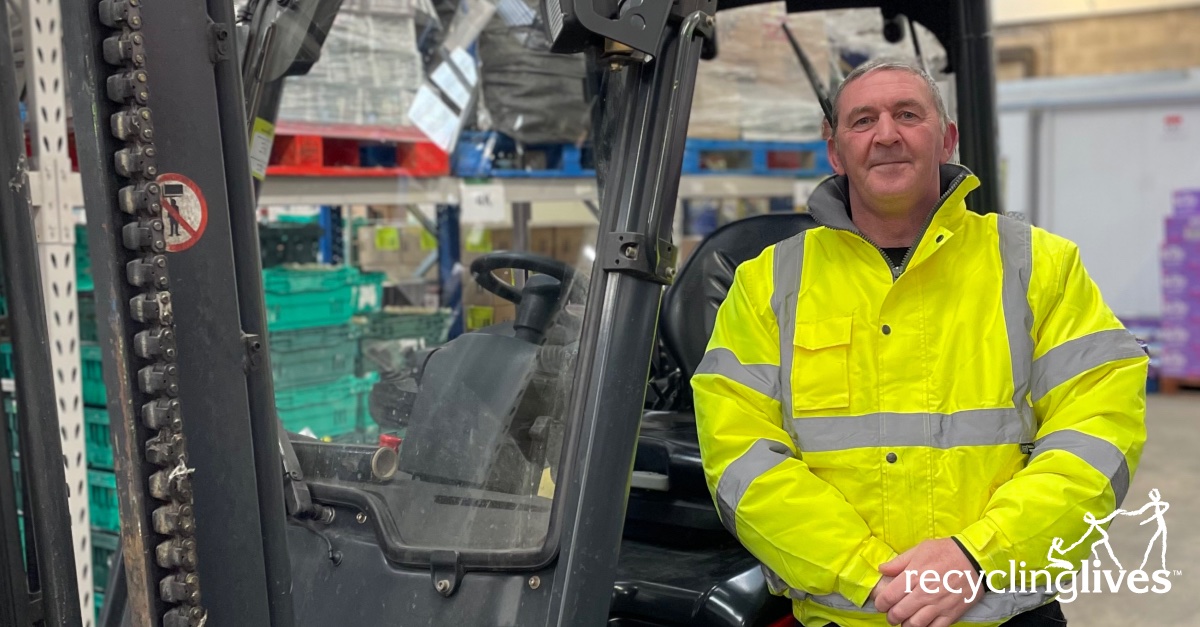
x=1181 y=259
x=1180 y=286
x=504 y=311
x=1183 y=230
x=1186 y=202
x=1177 y=335
x=687 y=244
x=501 y=239
x=541 y=241
x=568 y=244
x=1180 y=362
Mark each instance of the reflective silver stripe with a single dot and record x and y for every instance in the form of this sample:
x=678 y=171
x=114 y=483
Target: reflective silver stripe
x=973 y=427
x=1075 y=357
x=1097 y=452
x=778 y=586
x=993 y=607
x=762 y=456
x=762 y=378
x=1016 y=257
x=788 y=262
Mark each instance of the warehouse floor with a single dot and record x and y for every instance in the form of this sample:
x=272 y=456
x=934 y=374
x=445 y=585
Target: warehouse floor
x=1170 y=464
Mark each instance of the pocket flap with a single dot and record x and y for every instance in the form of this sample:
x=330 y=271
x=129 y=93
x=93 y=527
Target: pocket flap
x=824 y=333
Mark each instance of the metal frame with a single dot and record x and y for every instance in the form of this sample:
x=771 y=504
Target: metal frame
x=44 y=589
x=447 y=190
x=232 y=448
x=58 y=195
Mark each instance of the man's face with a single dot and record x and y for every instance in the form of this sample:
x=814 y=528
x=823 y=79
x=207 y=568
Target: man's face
x=890 y=141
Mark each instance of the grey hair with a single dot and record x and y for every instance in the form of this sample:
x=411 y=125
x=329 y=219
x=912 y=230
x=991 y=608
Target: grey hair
x=885 y=63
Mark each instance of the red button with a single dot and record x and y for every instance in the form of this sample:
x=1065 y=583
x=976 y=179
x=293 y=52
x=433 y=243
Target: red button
x=390 y=441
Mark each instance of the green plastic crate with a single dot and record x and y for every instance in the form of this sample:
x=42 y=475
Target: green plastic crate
x=328 y=410
x=98 y=438
x=87 y=317
x=313 y=356
x=17 y=485
x=104 y=546
x=401 y=323
x=102 y=500
x=368 y=292
x=288 y=312
x=307 y=278
x=83 y=261
x=6 y=360
x=10 y=412
x=93 y=375
x=300 y=297
x=98 y=600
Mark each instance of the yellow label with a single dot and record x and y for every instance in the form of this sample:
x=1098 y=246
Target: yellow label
x=479 y=240
x=479 y=317
x=261 y=139
x=428 y=241
x=387 y=238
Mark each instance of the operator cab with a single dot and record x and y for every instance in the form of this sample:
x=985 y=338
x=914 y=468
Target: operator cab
x=670 y=500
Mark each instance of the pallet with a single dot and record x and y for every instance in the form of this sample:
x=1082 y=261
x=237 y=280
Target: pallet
x=302 y=149
x=755 y=158
x=489 y=154
x=1174 y=385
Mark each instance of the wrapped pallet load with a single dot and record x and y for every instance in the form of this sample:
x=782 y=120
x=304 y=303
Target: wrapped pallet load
x=369 y=69
x=755 y=89
x=529 y=93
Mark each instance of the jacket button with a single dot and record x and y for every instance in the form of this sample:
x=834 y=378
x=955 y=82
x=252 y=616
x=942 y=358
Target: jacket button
x=887 y=330
x=891 y=458
x=940 y=238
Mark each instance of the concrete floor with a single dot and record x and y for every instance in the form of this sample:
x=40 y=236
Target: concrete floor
x=1171 y=464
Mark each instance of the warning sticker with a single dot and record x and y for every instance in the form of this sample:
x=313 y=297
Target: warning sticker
x=184 y=212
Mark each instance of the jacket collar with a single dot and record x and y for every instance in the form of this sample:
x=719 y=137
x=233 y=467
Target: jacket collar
x=830 y=201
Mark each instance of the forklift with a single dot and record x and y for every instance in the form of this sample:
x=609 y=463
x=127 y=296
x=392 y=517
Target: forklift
x=531 y=488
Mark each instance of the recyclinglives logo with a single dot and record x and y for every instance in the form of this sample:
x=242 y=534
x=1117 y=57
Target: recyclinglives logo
x=1064 y=578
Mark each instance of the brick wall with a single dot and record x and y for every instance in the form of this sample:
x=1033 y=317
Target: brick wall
x=1138 y=42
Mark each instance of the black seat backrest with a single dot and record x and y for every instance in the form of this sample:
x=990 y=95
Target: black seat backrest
x=690 y=304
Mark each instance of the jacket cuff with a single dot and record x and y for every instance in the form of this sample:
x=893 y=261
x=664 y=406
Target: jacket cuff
x=970 y=558
x=862 y=572
x=984 y=543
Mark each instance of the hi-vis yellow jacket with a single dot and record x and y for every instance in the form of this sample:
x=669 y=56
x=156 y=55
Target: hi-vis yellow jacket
x=848 y=412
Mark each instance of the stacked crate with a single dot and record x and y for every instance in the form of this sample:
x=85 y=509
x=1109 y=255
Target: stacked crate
x=1180 y=333
x=314 y=345
x=102 y=483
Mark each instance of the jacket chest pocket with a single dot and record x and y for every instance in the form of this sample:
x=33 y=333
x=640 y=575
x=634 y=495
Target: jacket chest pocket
x=820 y=374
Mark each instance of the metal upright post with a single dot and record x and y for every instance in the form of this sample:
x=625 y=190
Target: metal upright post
x=975 y=80
x=450 y=270
x=247 y=260
x=38 y=430
x=59 y=194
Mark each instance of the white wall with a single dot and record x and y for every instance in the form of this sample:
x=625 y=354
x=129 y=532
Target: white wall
x=1107 y=176
x=1018 y=11
x=1015 y=161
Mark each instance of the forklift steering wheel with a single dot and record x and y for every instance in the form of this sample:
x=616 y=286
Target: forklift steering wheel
x=483 y=267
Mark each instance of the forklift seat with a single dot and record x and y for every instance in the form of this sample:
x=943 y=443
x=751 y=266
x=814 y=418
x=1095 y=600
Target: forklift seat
x=670 y=500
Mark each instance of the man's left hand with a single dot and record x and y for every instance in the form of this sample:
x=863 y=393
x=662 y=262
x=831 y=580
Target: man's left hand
x=920 y=608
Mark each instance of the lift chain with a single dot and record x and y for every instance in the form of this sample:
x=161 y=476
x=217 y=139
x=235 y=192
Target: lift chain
x=154 y=343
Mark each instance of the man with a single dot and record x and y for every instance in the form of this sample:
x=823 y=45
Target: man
x=914 y=388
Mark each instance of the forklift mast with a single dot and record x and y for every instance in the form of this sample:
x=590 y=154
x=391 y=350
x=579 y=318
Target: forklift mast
x=219 y=524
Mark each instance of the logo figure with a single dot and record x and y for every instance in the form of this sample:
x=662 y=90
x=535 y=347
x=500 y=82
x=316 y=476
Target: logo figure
x=1156 y=503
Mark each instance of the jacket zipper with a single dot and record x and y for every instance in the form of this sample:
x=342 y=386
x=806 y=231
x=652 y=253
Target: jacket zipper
x=897 y=271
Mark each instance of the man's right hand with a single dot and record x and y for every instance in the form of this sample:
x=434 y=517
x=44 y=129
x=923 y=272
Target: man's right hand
x=879 y=587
